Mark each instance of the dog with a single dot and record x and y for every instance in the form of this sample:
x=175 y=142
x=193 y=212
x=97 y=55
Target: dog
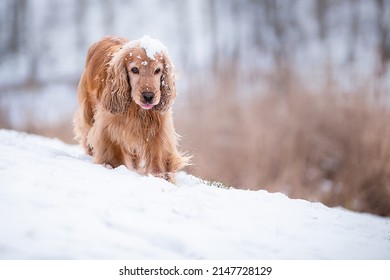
x=124 y=114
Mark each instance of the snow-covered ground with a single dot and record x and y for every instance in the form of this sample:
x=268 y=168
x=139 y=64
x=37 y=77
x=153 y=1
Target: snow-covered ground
x=56 y=204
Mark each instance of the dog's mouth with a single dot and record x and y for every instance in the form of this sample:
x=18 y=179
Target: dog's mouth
x=147 y=106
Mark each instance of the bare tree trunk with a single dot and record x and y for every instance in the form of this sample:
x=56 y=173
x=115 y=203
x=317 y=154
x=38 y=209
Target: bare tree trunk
x=213 y=31
x=383 y=29
x=31 y=41
x=279 y=22
x=321 y=9
x=18 y=11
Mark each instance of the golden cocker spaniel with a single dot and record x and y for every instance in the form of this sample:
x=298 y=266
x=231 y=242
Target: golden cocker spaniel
x=124 y=115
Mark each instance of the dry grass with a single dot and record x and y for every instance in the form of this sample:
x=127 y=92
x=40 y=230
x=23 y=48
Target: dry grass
x=62 y=130
x=333 y=148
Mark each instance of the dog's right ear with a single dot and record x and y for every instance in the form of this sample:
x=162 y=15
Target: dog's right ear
x=116 y=94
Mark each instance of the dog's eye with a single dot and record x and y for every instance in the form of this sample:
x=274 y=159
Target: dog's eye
x=135 y=70
x=158 y=70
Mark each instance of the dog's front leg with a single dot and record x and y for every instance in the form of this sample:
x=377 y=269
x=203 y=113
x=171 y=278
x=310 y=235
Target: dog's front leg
x=105 y=151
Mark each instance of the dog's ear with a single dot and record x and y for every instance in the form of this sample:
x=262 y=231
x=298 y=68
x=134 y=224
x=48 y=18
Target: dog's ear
x=116 y=94
x=167 y=85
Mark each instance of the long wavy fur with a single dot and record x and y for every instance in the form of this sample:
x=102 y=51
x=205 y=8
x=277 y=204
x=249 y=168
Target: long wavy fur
x=110 y=124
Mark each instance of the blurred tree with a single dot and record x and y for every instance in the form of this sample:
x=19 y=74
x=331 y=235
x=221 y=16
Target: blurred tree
x=383 y=29
x=280 y=18
x=321 y=9
x=354 y=30
x=31 y=42
x=212 y=19
x=17 y=25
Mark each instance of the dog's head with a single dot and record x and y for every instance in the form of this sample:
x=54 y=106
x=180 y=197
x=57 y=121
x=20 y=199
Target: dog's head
x=140 y=72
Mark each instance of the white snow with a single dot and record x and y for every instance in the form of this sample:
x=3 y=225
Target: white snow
x=56 y=204
x=150 y=45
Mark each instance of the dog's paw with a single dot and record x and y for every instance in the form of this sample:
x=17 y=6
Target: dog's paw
x=108 y=166
x=169 y=176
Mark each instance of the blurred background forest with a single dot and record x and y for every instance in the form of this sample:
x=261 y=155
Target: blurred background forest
x=289 y=96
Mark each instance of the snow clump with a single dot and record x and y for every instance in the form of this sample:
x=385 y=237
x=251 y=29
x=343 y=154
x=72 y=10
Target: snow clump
x=152 y=46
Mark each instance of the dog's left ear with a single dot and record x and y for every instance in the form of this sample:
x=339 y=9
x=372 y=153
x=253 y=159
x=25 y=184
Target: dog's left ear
x=167 y=85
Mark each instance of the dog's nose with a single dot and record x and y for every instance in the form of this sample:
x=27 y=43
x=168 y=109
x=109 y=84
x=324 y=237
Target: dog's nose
x=148 y=96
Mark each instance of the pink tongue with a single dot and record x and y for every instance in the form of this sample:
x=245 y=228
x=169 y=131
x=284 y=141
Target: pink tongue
x=146 y=106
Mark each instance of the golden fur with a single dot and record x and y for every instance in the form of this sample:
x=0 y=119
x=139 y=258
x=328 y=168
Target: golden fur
x=116 y=122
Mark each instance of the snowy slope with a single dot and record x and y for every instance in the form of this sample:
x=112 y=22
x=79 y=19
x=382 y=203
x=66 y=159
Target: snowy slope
x=56 y=204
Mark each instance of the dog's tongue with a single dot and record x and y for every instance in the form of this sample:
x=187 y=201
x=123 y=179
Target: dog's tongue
x=146 y=106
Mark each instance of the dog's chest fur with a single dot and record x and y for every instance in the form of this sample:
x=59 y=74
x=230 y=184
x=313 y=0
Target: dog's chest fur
x=139 y=128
